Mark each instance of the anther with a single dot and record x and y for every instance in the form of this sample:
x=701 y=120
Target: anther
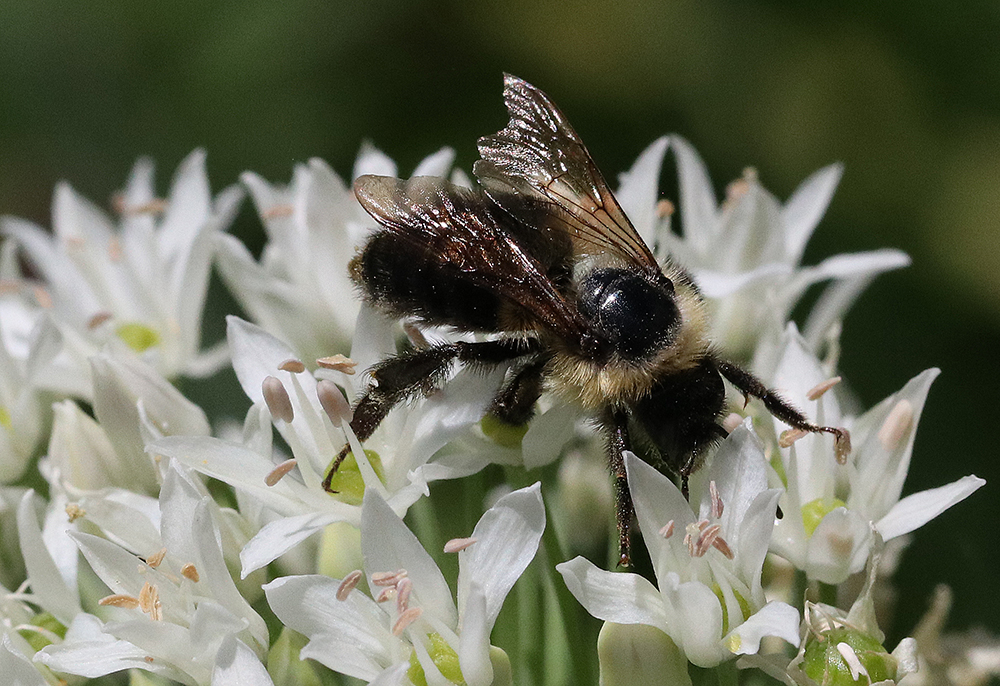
x=42 y=297
x=276 y=474
x=819 y=389
x=277 y=211
x=789 y=436
x=98 y=319
x=706 y=539
x=349 y=583
x=404 y=588
x=333 y=402
x=120 y=600
x=457 y=544
x=664 y=208
x=189 y=571
x=405 y=620
x=717 y=504
x=386 y=595
x=277 y=399
x=337 y=363
x=416 y=336
x=292 y=365
x=841 y=445
x=388 y=578
x=720 y=544
x=115 y=251
x=896 y=426
x=74 y=512
x=732 y=422
x=667 y=530
x=156 y=559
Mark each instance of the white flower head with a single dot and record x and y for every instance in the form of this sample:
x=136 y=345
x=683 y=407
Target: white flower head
x=830 y=507
x=708 y=597
x=414 y=625
x=139 y=283
x=173 y=603
x=746 y=253
x=392 y=463
x=300 y=290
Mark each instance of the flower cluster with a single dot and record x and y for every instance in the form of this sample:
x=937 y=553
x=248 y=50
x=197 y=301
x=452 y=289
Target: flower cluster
x=146 y=533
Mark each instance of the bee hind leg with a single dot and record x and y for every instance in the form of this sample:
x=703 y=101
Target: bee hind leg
x=616 y=427
x=514 y=403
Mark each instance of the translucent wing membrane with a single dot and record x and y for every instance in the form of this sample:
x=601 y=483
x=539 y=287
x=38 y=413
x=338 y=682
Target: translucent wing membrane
x=458 y=230
x=540 y=157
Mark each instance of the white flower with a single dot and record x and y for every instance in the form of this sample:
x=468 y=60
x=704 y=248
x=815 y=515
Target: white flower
x=140 y=284
x=392 y=463
x=420 y=629
x=709 y=599
x=175 y=607
x=829 y=508
x=300 y=290
x=745 y=254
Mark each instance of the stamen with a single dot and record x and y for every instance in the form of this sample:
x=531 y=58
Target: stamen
x=74 y=512
x=276 y=474
x=156 y=559
x=189 y=571
x=896 y=426
x=457 y=544
x=664 y=208
x=149 y=602
x=386 y=595
x=349 y=583
x=720 y=544
x=277 y=211
x=706 y=539
x=277 y=399
x=333 y=402
x=717 y=506
x=732 y=422
x=42 y=297
x=120 y=600
x=851 y=658
x=115 y=251
x=292 y=365
x=404 y=589
x=388 y=578
x=416 y=336
x=819 y=389
x=154 y=206
x=405 y=620
x=338 y=363
x=789 y=436
x=98 y=319
x=667 y=530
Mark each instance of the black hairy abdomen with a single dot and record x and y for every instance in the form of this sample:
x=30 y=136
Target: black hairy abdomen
x=680 y=416
x=403 y=280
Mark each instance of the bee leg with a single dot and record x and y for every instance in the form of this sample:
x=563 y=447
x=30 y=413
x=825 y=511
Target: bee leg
x=781 y=409
x=616 y=425
x=420 y=372
x=514 y=403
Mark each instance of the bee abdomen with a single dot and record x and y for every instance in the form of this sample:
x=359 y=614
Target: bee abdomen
x=403 y=280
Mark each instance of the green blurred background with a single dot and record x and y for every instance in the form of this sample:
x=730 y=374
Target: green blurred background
x=905 y=93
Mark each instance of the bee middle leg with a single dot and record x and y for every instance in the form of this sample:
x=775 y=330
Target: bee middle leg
x=616 y=428
x=420 y=372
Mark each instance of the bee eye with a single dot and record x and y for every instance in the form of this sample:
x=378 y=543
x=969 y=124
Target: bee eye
x=639 y=318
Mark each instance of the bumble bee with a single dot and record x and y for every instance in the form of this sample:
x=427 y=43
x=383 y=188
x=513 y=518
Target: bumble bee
x=542 y=256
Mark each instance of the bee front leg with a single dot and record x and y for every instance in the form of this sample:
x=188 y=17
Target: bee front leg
x=514 y=403
x=616 y=427
x=752 y=386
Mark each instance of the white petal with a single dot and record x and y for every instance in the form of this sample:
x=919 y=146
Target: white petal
x=474 y=639
x=188 y=208
x=915 y=510
x=389 y=546
x=436 y=164
x=697 y=629
x=278 y=537
x=807 y=206
x=698 y=208
x=350 y=636
x=47 y=584
x=718 y=284
x=638 y=189
x=17 y=670
x=633 y=654
x=657 y=501
x=548 y=435
x=622 y=598
x=237 y=665
x=774 y=619
x=507 y=537
x=838 y=547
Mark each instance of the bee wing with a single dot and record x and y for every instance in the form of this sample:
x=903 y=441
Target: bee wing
x=540 y=157
x=457 y=229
